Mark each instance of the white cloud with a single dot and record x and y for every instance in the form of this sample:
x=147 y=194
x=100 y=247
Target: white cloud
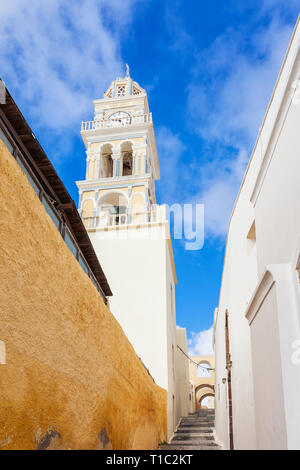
x=228 y=106
x=242 y=73
x=219 y=183
x=201 y=343
x=170 y=149
x=181 y=41
x=58 y=55
x=283 y=5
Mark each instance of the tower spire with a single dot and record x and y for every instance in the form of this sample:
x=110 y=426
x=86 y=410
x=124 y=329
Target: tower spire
x=127 y=71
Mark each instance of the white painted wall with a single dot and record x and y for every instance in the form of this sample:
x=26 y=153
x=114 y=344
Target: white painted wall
x=268 y=389
x=270 y=197
x=173 y=392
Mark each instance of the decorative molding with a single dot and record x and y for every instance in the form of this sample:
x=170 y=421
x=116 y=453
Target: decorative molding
x=88 y=199
x=139 y=193
x=120 y=181
x=128 y=140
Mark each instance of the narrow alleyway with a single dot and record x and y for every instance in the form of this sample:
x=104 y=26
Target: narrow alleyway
x=195 y=432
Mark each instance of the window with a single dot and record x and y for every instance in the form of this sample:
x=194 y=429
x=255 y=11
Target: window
x=127 y=164
x=70 y=242
x=51 y=212
x=252 y=232
x=121 y=90
x=135 y=91
x=6 y=141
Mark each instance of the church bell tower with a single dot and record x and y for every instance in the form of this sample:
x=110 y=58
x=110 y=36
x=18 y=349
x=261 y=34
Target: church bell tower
x=122 y=162
x=117 y=203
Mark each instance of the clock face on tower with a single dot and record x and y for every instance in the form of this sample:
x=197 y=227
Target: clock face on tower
x=119 y=119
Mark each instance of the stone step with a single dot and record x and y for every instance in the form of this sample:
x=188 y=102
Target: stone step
x=193 y=430
x=188 y=447
x=198 y=430
x=196 y=425
x=206 y=432
x=193 y=418
x=193 y=442
x=186 y=437
x=196 y=418
x=197 y=421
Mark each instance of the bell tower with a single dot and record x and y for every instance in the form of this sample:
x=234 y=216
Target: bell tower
x=117 y=203
x=122 y=163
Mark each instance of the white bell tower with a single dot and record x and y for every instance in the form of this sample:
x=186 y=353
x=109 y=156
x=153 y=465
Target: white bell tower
x=129 y=232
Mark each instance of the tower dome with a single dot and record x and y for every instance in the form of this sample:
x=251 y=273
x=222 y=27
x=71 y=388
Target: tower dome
x=123 y=87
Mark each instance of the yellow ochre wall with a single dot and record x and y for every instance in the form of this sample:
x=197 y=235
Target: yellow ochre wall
x=72 y=379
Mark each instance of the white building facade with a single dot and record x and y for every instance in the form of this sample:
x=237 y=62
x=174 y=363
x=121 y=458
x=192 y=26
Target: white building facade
x=129 y=232
x=257 y=322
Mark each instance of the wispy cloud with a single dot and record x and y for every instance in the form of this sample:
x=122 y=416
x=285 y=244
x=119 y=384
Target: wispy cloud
x=241 y=75
x=58 y=55
x=201 y=343
x=170 y=150
x=281 y=6
x=219 y=187
x=227 y=98
x=181 y=41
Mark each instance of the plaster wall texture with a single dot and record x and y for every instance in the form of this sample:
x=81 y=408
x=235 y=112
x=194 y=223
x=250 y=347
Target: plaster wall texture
x=72 y=379
x=269 y=406
x=139 y=271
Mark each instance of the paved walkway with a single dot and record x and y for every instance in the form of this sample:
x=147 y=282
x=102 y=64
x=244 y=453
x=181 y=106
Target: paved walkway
x=195 y=432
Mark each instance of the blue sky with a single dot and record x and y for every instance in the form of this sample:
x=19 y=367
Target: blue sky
x=209 y=69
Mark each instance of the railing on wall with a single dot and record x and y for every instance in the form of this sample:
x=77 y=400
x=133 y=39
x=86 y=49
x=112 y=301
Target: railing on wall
x=116 y=122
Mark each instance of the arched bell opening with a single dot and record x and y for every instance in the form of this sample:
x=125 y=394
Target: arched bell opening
x=107 y=161
x=126 y=159
x=112 y=208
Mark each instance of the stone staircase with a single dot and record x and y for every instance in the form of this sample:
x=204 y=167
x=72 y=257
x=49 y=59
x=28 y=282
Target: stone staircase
x=195 y=432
